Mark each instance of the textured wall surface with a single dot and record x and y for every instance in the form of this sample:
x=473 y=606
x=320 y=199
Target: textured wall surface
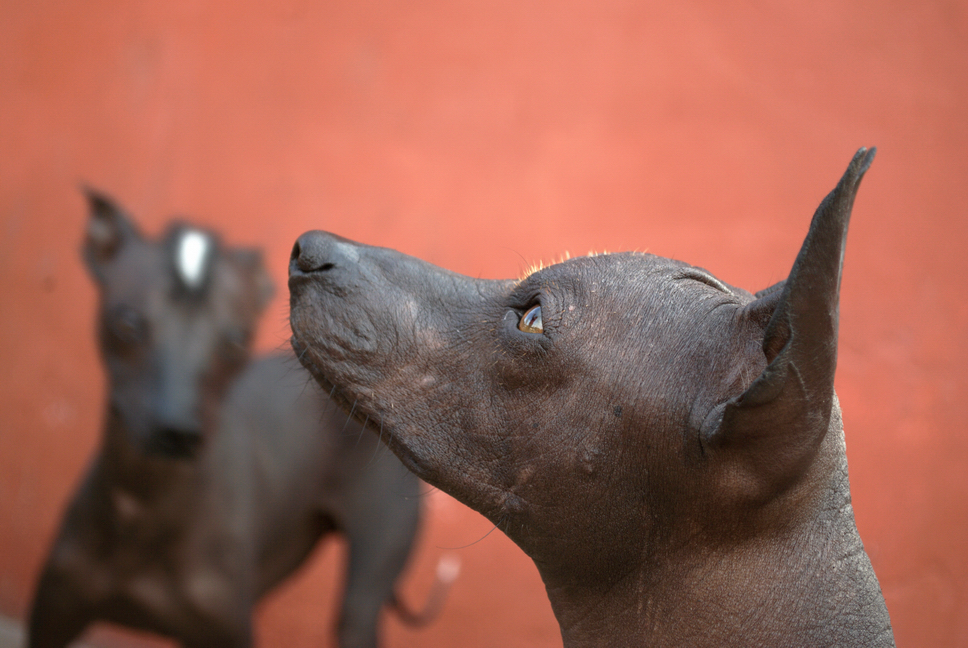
x=484 y=136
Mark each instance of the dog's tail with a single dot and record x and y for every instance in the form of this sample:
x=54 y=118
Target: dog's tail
x=448 y=568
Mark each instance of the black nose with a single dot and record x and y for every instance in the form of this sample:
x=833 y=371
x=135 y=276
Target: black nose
x=313 y=252
x=176 y=441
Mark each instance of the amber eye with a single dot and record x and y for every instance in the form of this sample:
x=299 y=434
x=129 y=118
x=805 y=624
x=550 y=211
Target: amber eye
x=531 y=321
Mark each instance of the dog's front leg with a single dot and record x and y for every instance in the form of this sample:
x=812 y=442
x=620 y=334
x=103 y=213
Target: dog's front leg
x=60 y=612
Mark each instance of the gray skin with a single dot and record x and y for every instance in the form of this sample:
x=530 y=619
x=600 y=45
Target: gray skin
x=667 y=448
x=216 y=476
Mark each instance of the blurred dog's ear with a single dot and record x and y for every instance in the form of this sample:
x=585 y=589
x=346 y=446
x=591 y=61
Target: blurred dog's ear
x=109 y=229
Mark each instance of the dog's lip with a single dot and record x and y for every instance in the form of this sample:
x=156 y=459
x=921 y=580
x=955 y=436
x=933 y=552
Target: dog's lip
x=300 y=279
x=336 y=392
x=305 y=356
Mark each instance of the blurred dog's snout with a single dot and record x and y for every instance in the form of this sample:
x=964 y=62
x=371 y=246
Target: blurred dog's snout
x=313 y=252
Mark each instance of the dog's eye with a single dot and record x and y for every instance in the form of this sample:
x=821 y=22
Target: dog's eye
x=531 y=321
x=235 y=344
x=128 y=326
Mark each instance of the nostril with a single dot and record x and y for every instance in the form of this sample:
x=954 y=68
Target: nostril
x=312 y=252
x=308 y=263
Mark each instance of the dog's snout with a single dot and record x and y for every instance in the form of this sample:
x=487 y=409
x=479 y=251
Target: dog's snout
x=313 y=252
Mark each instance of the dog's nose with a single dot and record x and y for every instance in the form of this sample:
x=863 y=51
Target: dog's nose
x=313 y=252
x=177 y=441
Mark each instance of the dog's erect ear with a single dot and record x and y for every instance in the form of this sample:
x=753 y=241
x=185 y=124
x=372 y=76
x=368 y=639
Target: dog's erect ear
x=249 y=260
x=108 y=230
x=775 y=427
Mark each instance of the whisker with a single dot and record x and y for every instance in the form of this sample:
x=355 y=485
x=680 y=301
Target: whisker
x=362 y=430
x=349 y=416
x=496 y=526
x=427 y=493
x=379 y=443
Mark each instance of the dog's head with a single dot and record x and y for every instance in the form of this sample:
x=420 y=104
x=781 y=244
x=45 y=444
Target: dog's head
x=622 y=396
x=176 y=321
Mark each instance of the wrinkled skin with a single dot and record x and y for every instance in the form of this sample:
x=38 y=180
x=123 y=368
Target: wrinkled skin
x=216 y=476
x=667 y=448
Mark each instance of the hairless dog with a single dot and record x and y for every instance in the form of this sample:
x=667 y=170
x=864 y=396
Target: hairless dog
x=216 y=476
x=667 y=448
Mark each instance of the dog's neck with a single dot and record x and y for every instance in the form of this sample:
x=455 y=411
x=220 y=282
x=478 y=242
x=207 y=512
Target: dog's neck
x=694 y=594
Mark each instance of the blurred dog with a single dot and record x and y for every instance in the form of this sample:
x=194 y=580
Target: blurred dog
x=216 y=476
x=667 y=448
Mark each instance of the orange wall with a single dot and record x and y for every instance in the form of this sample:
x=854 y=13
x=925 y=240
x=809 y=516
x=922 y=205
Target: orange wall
x=484 y=136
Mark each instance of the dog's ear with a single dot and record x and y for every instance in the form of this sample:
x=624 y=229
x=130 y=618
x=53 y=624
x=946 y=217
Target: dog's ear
x=249 y=260
x=775 y=427
x=108 y=230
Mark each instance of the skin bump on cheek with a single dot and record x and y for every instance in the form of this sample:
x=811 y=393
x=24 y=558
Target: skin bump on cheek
x=430 y=339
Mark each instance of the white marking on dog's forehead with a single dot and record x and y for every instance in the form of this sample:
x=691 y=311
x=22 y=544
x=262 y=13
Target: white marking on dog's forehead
x=191 y=257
